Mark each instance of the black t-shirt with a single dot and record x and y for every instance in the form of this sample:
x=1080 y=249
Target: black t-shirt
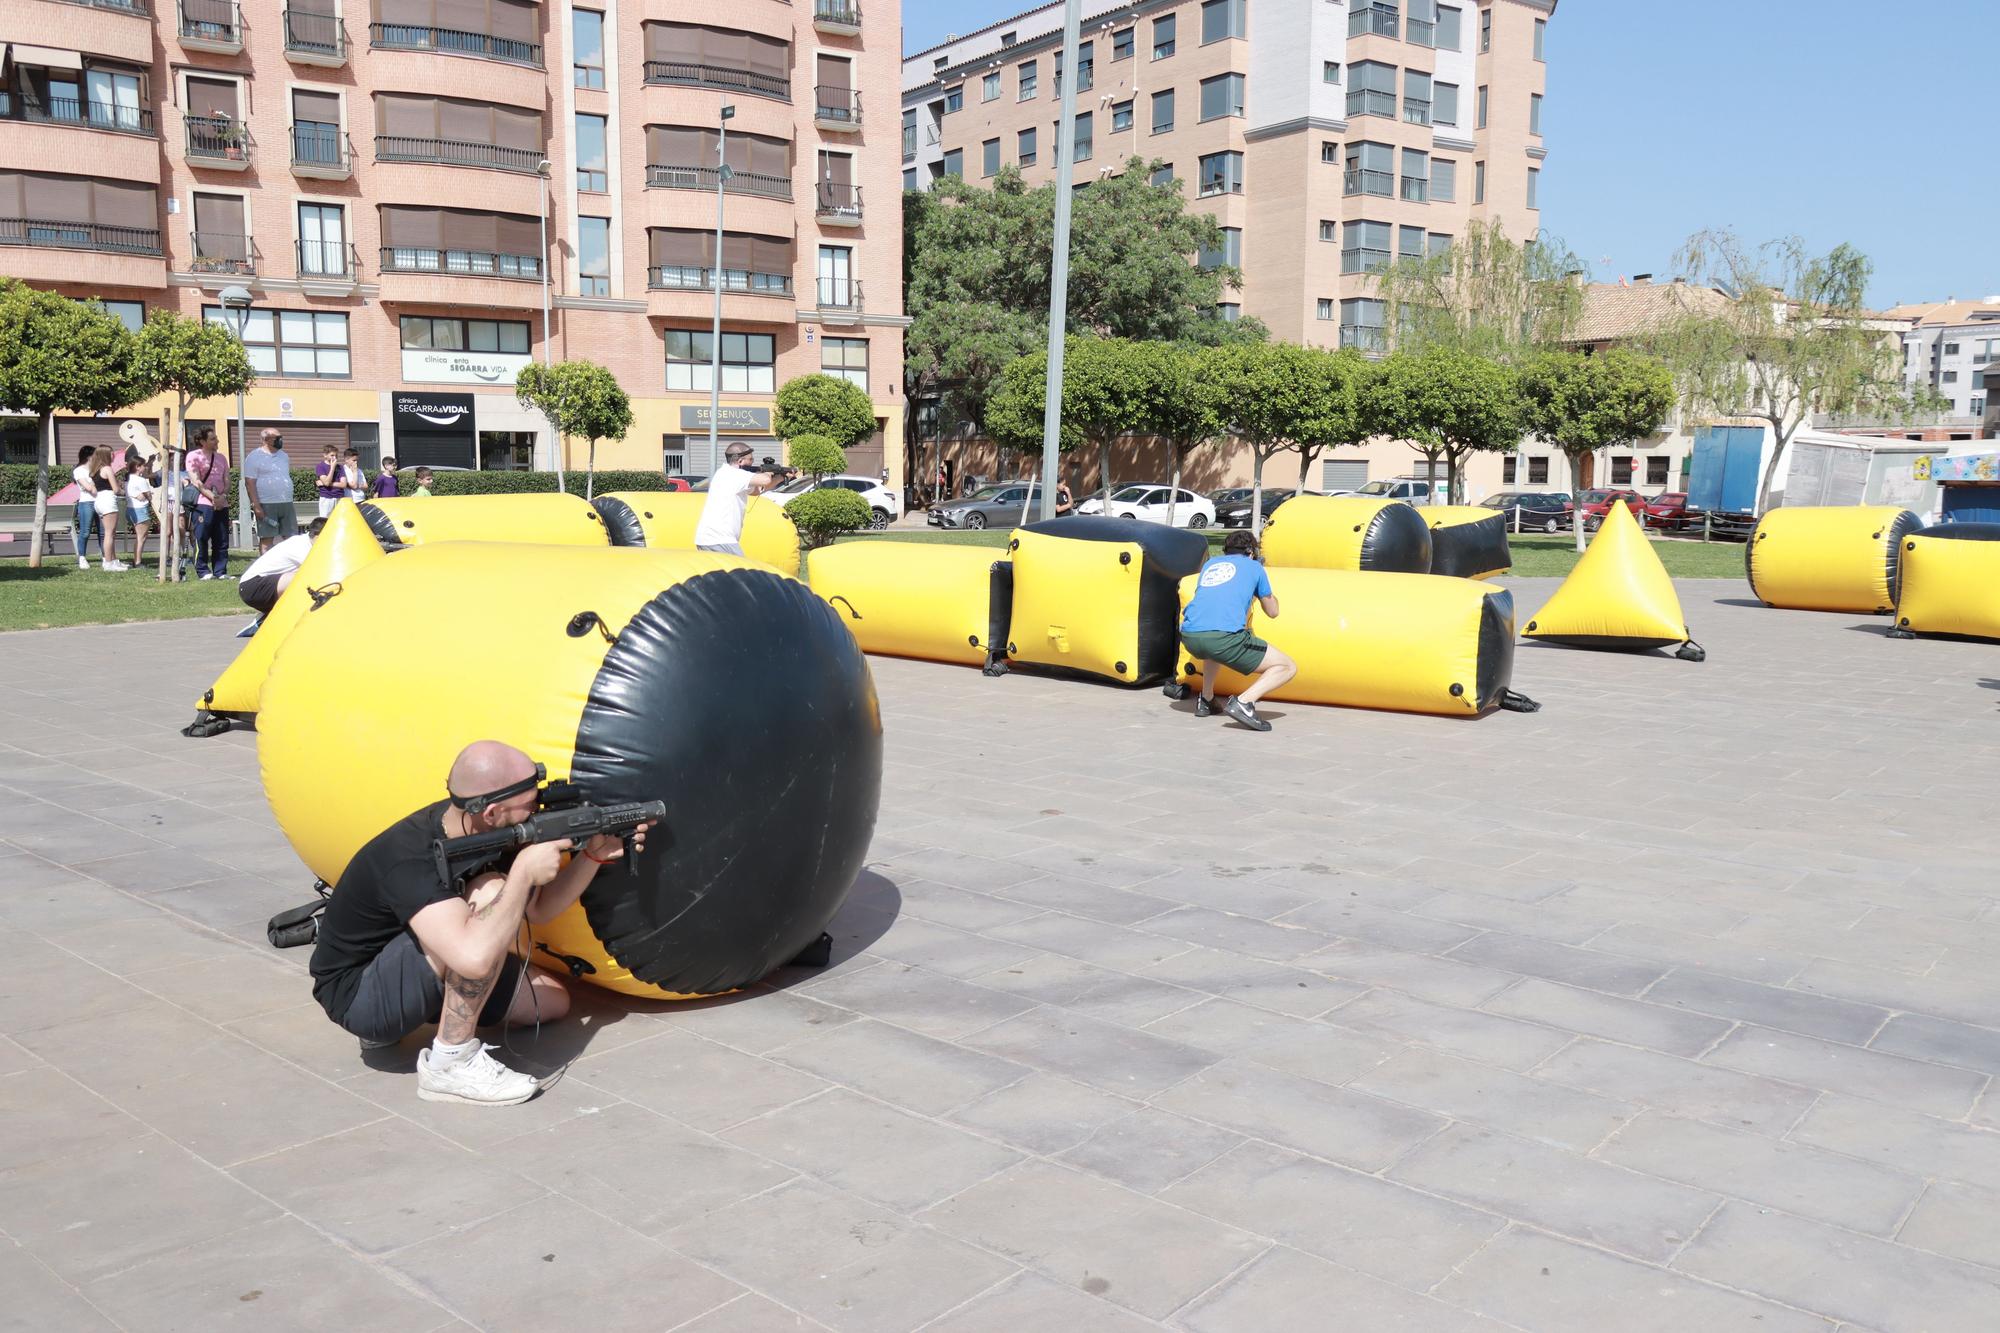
x=389 y=881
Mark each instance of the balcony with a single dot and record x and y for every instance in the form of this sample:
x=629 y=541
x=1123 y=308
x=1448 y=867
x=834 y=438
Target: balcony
x=659 y=177
x=837 y=109
x=211 y=25
x=682 y=278
x=1416 y=190
x=1367 y=337
x=451 y=41
x=326 y=268
x=1376 y=18
x=57 y=235
x=78 y=114
x=456 y=153
x=1382 y=183
x=910 y=143
x=321 y=152
x=142 y=8
x=219 y=142
x=460 y=263
x=224 y=254
x=691 y=74
x=1370 y=102
x=1416 y=111
x=838 y=300
x=837 y=205
x=838 y=18
x=315 y=39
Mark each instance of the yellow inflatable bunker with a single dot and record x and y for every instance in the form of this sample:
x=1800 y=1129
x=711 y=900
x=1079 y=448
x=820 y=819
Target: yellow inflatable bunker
x=343 y=546
x=1347 y=532
x=1407 y=642
x=938 y=603
x=667 y=519
x=1829 y=557
x=1100 y=597
x=546 y=518
x=1467 y=541
x=1618 y=596
x=1951 y=582
x=711 y=683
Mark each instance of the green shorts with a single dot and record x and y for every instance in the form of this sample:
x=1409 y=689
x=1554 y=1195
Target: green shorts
x=1238 y=649
x=279 y=520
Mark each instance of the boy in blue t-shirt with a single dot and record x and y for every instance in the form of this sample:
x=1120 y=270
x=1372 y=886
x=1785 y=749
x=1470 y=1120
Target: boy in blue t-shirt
x=1215 y=630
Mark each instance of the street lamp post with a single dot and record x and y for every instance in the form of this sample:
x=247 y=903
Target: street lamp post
x=236 y=301
x=542 y=202
x=722 y=175
x=1059 y=270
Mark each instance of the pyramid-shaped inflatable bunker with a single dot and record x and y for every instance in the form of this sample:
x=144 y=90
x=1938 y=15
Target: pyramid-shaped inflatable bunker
x=1618 y=596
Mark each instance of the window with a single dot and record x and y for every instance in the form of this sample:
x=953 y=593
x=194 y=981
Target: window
x=593 y=256
x=1507 y=471
x=1410 y=243
x=954 y=99
x=1085 y=143
x=591 y=177
x=1444 y=104
x=1220 y=173
x=909 y=178
x=1024 y=147
x=424 y=332
x=1951 y=349
x=1371 y=89
x=1222 y=96
x=1323 y=308
x=1329 y=71
x=1377 y=17
x=1478 y=182
x=586 y=30
x=1440 y=244
x=1480 y=122
x=1329 y=230
x=1538 y=471
x=1163 y=110
x=292 y=344
x=1541 y=36
x=1656 y=469
x=749 y=361
x=1231 y=252
x=1416 y=97
x=1361 y=323
x=1449 y=28
x=837 y=288
x=1951 y=377
x=1416 y=175
x=1086 y=67
x=1329 y=151
x=989 y=87
x=323 y=239
x=1444 y=180
x=1535 y=113
x=1221 y=19
x=1485 y=31
x=1163 y=36
x=1421 y=29
x=1009 y=38
x=989 y=158
x=954 y=162
x=1534 y=187
x=1164 y=175
x=1366 y=249
x=1121 y=45
x=1371 y=169
x=1978 y=407
x=1228 y=312
x=1030 y=82
x=1121 y=115
x=1621 y=469
x=845 y=359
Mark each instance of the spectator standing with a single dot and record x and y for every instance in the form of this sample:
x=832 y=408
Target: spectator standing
x=208 y=473
x=331 y=480
x=138 y=502
x=267 y=473
x=385 y=486
x=354 y=479
x=423 y=481
x=83 y=523
x=110 y=479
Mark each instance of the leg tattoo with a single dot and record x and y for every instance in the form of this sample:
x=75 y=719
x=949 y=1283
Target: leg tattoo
x=463 y=999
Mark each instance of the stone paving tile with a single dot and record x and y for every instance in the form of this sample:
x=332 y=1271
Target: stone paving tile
x=1903 y=1139
x=1634 y=1022
x=1812 y=1063
x=38 y=1299
x=1109 y=1057
x=696 y=1082
x=1956 y=1220
x=1678 y=1087
x=1556 y=962
x=1767 y=1006
x=1286 y=1290
x=1300 y=1046
x=1031 y=1301
x=750 y=1313
x=1940 y=1041
x=1341 y=1126
x=1299 y=990
x=1441 y=980
x=923 y=1001
x=1151 y=1149
x=1532 y=1108
x=1099 y=992
x=1680 y=948
x=1466 y=1032
x=1042 y=1113
x=898 y=1067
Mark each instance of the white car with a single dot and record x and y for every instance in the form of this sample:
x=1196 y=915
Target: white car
x=882 y=502
x=1155 y=503
x=1411 y=490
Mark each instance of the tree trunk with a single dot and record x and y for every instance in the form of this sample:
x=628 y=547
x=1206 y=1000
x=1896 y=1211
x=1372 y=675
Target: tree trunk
x=1784 y=442
x=1174 y=495
x=1576 y=496
x=1104 y=470
x=590 y=470
x=39 y=533
x=1454 y=477
x=1306 y=457
x=1257 y=492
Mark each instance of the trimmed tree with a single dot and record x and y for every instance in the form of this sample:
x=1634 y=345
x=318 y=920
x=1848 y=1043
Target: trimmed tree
x=1343 y=377
x=816 y=454
x=1275 y=395
x=577 y=398
x=1014 y=411
x=823 y=514
x=1183 y=401
x=823 y=405
x=1584 y=403
x=1448 y=403
x=191 y=359
x=59 y=355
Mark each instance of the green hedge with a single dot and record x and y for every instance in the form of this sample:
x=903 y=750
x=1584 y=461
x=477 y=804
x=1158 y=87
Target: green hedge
x=17 y=482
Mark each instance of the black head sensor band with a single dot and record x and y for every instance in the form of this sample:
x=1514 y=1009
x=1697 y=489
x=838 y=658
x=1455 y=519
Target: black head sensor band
x=473 y=805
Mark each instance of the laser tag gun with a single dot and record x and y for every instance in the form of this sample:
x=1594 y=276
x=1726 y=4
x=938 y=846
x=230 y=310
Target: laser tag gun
x=564 y=817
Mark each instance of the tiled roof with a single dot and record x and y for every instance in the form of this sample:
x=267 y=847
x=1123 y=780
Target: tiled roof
x=1614 y=311
x=1921 y=313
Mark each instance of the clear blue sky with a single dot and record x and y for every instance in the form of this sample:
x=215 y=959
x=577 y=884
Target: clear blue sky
x=1866 y=121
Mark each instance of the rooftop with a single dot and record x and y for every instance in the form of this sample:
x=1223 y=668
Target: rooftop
x=1619 y=310
x=1948 y=311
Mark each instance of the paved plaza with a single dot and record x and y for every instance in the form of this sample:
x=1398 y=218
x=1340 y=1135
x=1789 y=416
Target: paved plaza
x=1674 y=1006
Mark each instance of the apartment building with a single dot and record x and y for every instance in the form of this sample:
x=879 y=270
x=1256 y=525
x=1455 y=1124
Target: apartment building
x=1948 y=346
x=401 y=184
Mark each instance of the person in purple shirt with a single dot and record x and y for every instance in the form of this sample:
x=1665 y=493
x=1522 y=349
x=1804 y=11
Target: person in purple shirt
x=384 y=487
x=332 y=482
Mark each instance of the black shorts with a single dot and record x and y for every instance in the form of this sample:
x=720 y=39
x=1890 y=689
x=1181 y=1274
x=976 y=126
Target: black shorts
x=399 y=993
x=260 y=594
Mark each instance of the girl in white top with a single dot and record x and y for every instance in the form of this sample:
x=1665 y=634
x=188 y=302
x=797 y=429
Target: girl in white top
x=83 y=523
x=138 y=503
x=106 y=502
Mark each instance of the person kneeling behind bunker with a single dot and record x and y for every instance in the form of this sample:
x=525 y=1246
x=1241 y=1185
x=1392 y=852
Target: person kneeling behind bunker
x=1214 y=630
x=400 y=948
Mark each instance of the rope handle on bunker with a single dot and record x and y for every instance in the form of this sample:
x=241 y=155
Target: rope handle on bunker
x=852 y=613
x=322 y=595
x=583 y=622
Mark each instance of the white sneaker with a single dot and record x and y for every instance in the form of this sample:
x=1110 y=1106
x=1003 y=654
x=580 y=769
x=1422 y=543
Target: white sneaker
x=112 y=566
x=82 y=563
x=477 y=1080
x=206 y=577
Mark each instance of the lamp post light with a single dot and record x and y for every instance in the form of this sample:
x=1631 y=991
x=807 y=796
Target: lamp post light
x=542 y=205
x=236 y=301
x=722 y=175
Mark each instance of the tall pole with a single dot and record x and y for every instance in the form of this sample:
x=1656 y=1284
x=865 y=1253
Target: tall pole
x=1059 y=270
x=542 y=200
x=722 y=175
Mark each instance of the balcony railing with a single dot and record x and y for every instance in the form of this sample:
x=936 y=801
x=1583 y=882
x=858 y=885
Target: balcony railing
x=1382 y=183
x=315 y=144
x=455 y=153
x=837 y=13
x=1416 y=111
x=79 y=113
x=1371 y=102
x=1376 y=19
x=683 y=278
x=659 y=177
x=451 y=41
x=315 y=35
x=832 y=200
x=61 y=235
x=837 y=106
x=224 y=252
x=726 y=77
x=839 y=293
x=121 y=6
x=217 y=21
x=1367 y=337
x=327 y=259
x=219 y=138
x=909 y=142
x=1419 y=32
x=459 y=263
x=1417 y=190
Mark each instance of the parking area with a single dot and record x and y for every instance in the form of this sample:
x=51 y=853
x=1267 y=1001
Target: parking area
x=1670 y=1006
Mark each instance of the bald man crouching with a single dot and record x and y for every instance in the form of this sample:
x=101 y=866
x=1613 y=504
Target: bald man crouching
x=400 y=948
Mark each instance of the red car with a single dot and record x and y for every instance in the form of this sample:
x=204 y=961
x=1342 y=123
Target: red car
x=1592 y=506
x=1667 y=510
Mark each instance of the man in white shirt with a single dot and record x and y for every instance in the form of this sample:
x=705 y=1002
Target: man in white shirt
x=271 y=573
x=729 y=491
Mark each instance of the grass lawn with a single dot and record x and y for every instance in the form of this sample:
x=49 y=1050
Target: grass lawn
x=60 y=594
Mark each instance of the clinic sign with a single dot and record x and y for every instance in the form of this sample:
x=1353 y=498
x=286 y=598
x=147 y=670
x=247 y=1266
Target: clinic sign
x=736 y=420
x=435 y=366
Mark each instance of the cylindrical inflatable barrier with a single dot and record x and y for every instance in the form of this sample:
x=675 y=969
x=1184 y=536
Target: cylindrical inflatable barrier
x=724 y=689
x=1949 y=585
x=1964 y=532
x=1618 y=596
x=1467 y=541
x=667 y=519
x=1828 y=557
x=546 y=518
x=1099 y=597
x=901 y=600
x=1347 y=532
x=1407 y=642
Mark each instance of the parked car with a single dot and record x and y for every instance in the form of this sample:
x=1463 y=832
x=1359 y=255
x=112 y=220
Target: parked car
x=882 y=501
x=1592 y=506
x=1550 y=511
x=1154 y=503
x=1236 y=514
x=997 y=506
x=681 y=481
x=1665 y=511
x=1414 y=490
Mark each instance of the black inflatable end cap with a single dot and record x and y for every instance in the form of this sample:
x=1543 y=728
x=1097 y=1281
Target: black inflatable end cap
x=1174 y=690
x=1902 y=632
x=1691 y=652
x=207 y=724
x=1515 y=702
x=817 y=954
x=995 y=669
